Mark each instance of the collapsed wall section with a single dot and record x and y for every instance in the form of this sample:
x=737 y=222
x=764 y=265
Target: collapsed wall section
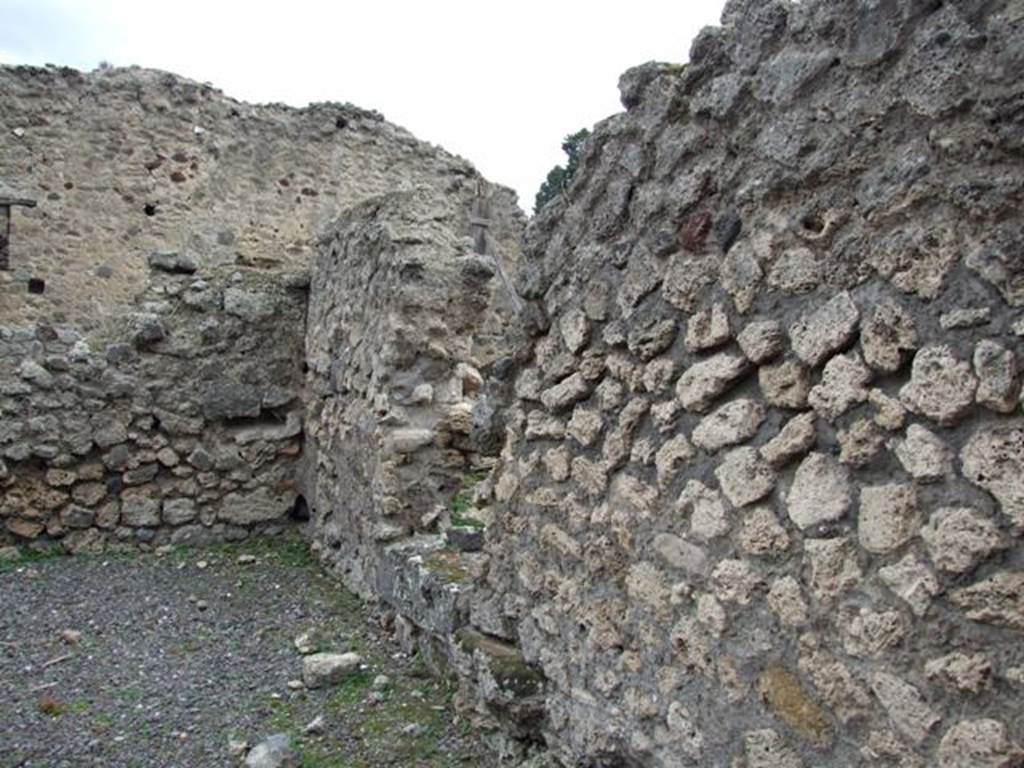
x=761 y=502
x=181 y=426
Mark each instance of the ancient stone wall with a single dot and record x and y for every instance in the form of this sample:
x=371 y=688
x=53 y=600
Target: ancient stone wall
x=183 y=426
x=123 y=162
x=407 y=342
x=763 y=494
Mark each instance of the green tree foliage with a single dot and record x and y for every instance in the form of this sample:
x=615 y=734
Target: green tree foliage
x=559 y=176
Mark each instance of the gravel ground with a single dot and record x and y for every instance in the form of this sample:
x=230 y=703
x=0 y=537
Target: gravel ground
x=181 y=653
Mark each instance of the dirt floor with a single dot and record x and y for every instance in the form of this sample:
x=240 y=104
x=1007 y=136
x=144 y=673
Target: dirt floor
x=165 y=660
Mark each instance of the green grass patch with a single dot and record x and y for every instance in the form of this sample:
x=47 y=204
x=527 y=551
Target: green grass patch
x=351 y=690
x=29 y=556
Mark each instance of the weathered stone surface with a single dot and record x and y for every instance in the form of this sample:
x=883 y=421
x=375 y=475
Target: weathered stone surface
x=833 y=681
x=703 y=382
x=998 y=377
x=566 y=393
x=273 y=752
x=912 y=581
x=820 y=492
x=993 y=459
x=708 y=518
x=888 y=517
x=708 y=329
x=745 y=477
x=179 y=511
x=965 y=317
x=761 y=533
x=870 y=634
x=786 y=600
x=958 y=538
x=978 y=744
x=907 y=709
x=843 y=385
x=833 y=567
x=997 y=600
x=140 y=510
x=671 y=458
x=961 y=672
x=941 y=386
x=767 y=749
x=786 y=384
x=784 y=695
x=860 y=444
x=888 y=336
x=679 y=553
x=254 y=507
x=796 y=438
x=924 y=455
x=323 y=669
x=762 y=340
x=735 y=422
x=826 y=330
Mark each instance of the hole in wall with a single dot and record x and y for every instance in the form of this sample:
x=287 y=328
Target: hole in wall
x=149 y=209
x=340 y=123
x=300 y=510
x=36 y=285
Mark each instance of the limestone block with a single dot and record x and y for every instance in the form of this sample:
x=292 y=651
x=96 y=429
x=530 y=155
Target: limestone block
x=888 y=517
x=870 y=634
x=997 y=600
x=833 y=566
x=140 y=509
x=745 y=477
x=89 y=494
x=681 y=554
x=767 y=749
x=993 y=459
x=796 y=437
x=826 y=330
x=890 y=414
x=957 y=671
x=998 y=377
x=860 y=443
x=981 y=743
x=567 y=392
x=409 y=439
x=257 y=506
x=958 y=539
x=833 y=681
x=735 y=581
x=735 y=422
x=703 y=382
x=820 y=492
x=543 y=426
x=786 y=600
x=907 y=709
x=761 y=533
x=888 y=336
x=762 y=340
x=671 y=458
x=786 y=384
x=708 y=517
x=708 y=328
x=912 y=581
x=924 y=455
x=179 y=511
x=843 y=385
x=941 y=387
x=575 y=330
x=323 y=669
x=650 y=340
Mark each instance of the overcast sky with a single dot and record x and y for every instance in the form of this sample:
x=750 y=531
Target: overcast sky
x=498 y=84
